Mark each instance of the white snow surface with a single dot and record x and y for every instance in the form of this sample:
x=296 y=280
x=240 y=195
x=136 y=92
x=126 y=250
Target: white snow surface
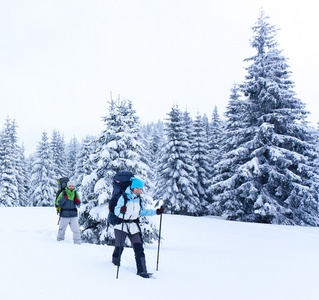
x=200 y=258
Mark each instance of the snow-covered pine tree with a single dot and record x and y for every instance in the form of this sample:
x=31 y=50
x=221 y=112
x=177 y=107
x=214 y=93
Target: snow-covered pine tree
x=207 y=128
x=224 y=168
x=19 y=162
x=43 y=185
x=9 y=193
x=72 y=152
x=23 y=177
x=215 y=137
x=202 y=161
x=145 y=134
x=188 y=126
x=119 y=149
x=153 y=141
x=268 y=174
x=30 y=162
x=176 y=183
x=83 y=166
x=235 y=109
x=59 y=158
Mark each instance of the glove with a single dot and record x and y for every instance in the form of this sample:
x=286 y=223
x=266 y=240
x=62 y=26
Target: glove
x=123 y=209
x=76 y=200
x=160 y=210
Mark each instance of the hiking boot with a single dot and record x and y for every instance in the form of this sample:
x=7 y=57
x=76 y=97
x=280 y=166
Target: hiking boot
x=144 y=274
x=116 y=261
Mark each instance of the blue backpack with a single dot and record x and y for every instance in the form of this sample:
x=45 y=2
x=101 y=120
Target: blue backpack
x=121 y=181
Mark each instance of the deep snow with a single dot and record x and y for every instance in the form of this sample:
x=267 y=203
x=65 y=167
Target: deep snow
x=200 y=257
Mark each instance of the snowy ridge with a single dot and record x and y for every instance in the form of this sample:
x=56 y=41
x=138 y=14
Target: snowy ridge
x=200 y=258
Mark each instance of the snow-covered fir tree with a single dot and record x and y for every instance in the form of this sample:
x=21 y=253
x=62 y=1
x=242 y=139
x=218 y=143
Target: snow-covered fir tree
x=207 y=127
x=83 y=166
x=235 y=130
x=59 y=158
x=215 y=137
x=43 y=184
x=202 y=161
x=153 y=140
x=72 y=152
x=268 y=173
x=145 y=135
x=177 y=180
x=23 y=177
x=119 y=149
x=235 y=109
x=9 y=192
x=188 y=126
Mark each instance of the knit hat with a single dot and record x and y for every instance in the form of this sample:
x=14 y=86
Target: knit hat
x=137 y=183
x=70 y=183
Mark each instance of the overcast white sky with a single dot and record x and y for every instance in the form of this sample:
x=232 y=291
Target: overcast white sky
x=60 y=59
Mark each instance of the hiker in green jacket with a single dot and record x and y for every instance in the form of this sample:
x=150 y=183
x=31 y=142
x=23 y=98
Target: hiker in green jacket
x=69 y=200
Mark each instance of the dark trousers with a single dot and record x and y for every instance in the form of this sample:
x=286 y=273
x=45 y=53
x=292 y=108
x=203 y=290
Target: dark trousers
x=137 y=244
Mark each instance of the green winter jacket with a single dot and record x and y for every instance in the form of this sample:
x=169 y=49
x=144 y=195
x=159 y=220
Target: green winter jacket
x=68 y=201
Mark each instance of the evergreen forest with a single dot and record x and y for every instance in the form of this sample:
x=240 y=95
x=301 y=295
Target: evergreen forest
x=257 y=163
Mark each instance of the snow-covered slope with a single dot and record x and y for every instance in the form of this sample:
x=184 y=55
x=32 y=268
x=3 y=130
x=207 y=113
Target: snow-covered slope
x=200 y=258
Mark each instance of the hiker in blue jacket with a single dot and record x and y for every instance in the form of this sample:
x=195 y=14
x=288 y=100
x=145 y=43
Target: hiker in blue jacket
x=69 y=200
x=128 y=221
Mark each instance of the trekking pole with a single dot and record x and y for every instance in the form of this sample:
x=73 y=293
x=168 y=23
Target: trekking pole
x=118 y=267
x=58 y=211
x=159 y=241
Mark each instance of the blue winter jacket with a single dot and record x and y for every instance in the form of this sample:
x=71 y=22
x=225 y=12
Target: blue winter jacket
x=134 y=209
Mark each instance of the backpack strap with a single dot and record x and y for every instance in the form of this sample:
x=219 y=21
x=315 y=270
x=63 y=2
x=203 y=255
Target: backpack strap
x=67 y=209
x=136 y=221
x=64 y=193
x=125 y=197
